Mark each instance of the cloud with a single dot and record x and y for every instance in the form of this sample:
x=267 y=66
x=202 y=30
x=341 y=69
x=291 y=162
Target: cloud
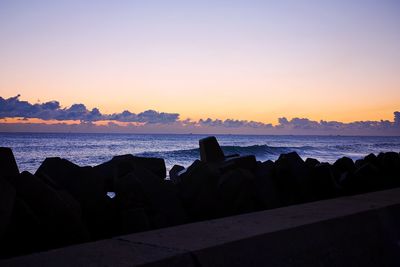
x=397 y=118
x=155 y=121
x=211 y=122
x=335 y=127
x=125 y=116
x=14 y=107
x=153 y=116
x=231 y=123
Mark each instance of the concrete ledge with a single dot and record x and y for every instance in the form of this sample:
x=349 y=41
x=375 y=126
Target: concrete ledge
x=360 y=230
x=111 y=252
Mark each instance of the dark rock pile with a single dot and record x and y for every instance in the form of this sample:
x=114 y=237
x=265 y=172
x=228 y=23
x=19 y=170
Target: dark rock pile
x=63 y=203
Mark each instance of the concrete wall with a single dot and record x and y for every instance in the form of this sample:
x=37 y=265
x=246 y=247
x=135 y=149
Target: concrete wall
x=361 y=230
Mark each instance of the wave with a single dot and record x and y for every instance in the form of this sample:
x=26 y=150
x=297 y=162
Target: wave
x=262 y=149
x=387 y=145
x=359 y=147
x=257 y=150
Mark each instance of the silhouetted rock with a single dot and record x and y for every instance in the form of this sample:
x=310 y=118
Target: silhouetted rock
x=134 y=220
x=102 y=218
x=390 y=161
x=359 y=163
x=265 y=187
x=292 y=178
x=129 y=193
x=83 y=183
x=88 y=187
x=119 y=172
x=243 y=162
x=142 y=188
x=323 y=182
x=367 y=179
x=120 y=166
x=7 y=199
x=175 y=172
x=171 y=205
x=56 y=172
x=347 y=183
x=292 y=159
x=311 y=162
x=8 y=165
x=197 y=190
x=60 y=225
x=210 y=151
x=380 y=157
x=236 y=193
x=389 y=164
x=155 y=165
x=344 y=164
x=371 y=158
x=24 y=233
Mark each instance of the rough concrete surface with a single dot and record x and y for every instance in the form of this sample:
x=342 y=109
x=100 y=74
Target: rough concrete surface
x=359 y=230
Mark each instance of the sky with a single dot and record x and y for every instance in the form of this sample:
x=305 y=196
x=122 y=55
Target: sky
x=198 y=64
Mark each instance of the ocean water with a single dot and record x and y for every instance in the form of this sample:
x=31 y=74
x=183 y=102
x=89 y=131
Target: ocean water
x=30 y=149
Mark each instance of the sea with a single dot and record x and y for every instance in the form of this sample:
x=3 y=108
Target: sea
x=90 y=149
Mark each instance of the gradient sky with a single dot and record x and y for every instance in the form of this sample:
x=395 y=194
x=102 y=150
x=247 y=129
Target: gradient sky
x=247 y=60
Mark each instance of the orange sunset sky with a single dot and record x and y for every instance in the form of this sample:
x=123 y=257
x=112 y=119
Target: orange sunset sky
x=242 y=60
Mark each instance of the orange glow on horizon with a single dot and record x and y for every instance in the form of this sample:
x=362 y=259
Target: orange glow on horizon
x=36 y=120
x=68 y=122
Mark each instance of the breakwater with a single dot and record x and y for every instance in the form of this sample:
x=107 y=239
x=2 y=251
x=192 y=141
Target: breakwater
x=62 y=204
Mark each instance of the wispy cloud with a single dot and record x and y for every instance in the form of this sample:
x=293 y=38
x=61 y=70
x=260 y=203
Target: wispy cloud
x=155 y=121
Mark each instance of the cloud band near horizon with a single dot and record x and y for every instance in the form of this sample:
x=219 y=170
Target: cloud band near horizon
x=13 y=107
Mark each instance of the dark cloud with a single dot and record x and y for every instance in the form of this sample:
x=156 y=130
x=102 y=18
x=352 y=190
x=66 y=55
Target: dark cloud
x=154 y=121
x=397 y=118
x=336 y=127
x=125 y=116
x=76 y=112
x=210 y=122
x=14 y=107
x=231 y=123
x=152 y=116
